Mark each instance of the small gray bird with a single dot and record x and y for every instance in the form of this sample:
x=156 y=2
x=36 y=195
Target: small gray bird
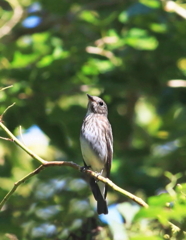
x=97 y=147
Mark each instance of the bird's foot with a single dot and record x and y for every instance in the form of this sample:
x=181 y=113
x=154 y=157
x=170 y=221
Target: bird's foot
x=98 y=174
x=84 y=168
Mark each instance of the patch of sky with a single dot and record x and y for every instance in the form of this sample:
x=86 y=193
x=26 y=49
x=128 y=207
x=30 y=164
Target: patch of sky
x=31 y=21
x=34 y=136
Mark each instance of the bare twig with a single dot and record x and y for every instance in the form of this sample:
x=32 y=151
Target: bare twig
x=21 y=135
x=14 y=139
x=7 y=139
x=175 y=229
x=118 y=189
x=1 y=117
x=17 y=15
x=2 y=89
x=171 y=6
x=16 y=185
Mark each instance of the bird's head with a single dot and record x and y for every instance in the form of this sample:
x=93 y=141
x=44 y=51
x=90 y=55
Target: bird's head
x=96 y=105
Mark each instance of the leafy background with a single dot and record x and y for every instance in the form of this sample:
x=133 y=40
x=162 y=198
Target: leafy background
x=133 y=55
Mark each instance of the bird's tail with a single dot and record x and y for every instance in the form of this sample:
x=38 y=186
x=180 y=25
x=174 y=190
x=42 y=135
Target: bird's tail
x=102 y=206
x=101 y=202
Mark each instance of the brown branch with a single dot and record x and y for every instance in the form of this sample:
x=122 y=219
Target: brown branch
x=171 y=6
x=7 y=139
x=14 y=139
x=77 y=167
x=60 y=163
x=2 y=89
x=17 y=16
x=1 y=117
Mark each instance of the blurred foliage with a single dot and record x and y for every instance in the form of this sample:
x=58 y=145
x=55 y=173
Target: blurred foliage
x=133 y=55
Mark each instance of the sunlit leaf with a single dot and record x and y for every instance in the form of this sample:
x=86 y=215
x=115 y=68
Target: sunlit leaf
x=89 y=16
x=152 y=3
x=139 y=39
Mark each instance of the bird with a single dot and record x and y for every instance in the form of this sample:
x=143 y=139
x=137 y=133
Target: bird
x=96 y=142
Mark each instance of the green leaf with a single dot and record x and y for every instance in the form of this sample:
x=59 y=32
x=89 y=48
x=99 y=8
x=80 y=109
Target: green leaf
x=160 y=200
x=89 y=16
x=151 y=3
x=139 y=39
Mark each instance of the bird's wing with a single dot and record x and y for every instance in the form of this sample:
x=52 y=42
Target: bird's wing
x=109 y=143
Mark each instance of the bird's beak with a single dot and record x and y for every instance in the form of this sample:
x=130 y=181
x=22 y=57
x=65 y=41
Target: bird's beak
x=90 y=98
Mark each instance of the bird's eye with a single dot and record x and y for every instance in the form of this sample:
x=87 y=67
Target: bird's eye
x=101 y=103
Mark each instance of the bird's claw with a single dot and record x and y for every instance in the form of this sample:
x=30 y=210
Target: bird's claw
x=98 y=174
x=84 y=168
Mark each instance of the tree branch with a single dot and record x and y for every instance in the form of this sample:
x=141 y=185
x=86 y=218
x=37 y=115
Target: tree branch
x=60 y=163
x=1 y=117
x=171 y=6
x=14 y=139
x=17 y=16
x=2 y=89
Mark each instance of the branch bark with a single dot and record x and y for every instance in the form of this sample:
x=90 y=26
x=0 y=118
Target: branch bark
x=18 y=13
x=60 y=163
x=171 y=6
